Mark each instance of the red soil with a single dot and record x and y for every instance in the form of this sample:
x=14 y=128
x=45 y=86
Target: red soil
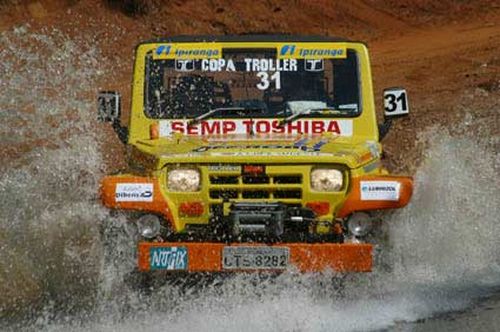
x=446 y=53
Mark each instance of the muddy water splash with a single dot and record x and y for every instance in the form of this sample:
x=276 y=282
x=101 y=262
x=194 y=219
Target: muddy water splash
x=441 y=255
x=49 y=172
x=450 y=233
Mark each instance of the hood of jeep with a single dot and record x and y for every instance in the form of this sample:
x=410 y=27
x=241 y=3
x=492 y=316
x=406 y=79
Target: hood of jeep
x=259 y=149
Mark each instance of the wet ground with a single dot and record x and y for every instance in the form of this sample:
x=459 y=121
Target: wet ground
x=482 y=316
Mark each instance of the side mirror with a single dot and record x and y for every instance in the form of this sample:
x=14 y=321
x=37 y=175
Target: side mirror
x=109 y=110
x=108 y=106
x=395 y=105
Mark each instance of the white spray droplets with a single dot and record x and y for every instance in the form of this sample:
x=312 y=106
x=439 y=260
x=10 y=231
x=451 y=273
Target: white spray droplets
x=48 y=186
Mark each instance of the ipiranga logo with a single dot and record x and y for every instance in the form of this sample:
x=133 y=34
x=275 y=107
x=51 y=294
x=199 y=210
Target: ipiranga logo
x=188 y=51
x=315 y=51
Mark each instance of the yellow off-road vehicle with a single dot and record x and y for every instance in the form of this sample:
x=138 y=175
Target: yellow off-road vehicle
x=253 y=153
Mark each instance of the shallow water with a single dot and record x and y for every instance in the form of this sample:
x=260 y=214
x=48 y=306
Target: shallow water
x=442 y=253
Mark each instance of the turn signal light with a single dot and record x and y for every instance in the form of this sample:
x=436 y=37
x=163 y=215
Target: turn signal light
x=337 y=228
x=154 y=131
x=191 y=209
x=253 y=169
x=320 y=208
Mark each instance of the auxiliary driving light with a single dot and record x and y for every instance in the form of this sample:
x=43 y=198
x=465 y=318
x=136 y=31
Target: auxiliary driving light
x=148 y=226
x=359 y=224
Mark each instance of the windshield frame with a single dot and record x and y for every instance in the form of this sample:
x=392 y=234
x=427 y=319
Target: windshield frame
x=274 y=115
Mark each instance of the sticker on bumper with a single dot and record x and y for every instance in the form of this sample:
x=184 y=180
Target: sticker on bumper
x=380 y=190
x=168 y=258
x=134 y=192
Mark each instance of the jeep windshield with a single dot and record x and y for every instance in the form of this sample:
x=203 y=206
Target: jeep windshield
x=251 y=83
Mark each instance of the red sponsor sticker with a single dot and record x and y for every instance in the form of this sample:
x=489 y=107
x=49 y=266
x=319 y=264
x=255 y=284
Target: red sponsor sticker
x=256 y=126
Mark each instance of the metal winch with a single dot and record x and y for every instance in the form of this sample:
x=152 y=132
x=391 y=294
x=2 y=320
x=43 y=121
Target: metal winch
x=257 y=218
x=269 y=220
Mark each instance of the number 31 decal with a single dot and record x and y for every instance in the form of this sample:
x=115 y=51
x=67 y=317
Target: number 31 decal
x=395 y=102
x=265 y=80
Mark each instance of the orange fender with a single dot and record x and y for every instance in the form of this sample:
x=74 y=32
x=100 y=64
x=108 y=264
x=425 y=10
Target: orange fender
x=354 y=201
x=158 y=204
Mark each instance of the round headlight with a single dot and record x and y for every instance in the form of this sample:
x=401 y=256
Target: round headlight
x=183 y=179
x=359 y=224
x=148 y=226
x=323 y=179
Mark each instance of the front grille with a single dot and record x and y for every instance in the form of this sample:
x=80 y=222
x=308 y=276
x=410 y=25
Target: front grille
x=278 y=187
x=220 y=179
x=255 y=179
x=288 y=179
x=295 y=193
x=223 y=194
x=255 y=194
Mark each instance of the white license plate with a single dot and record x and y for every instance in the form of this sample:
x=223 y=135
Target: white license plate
x=255 y=258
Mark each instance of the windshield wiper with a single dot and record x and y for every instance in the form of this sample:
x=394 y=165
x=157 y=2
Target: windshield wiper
x=213 y=111
x=217 y=110
x=322 y=110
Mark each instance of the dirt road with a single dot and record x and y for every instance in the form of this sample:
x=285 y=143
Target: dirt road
x=446 y=54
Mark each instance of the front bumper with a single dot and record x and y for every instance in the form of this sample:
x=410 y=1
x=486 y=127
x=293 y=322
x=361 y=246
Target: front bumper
x=306 y=257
